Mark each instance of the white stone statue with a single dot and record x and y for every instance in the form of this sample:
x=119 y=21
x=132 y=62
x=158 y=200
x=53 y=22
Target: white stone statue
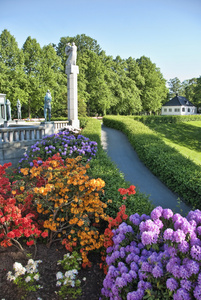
x=72 y=71
x=8 y=108
x=47 y=105
x=71 y=51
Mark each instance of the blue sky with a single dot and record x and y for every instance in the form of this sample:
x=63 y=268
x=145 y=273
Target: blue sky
x=166 y=31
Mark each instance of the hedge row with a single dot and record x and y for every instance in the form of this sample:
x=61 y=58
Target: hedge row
x=104 y=168
x=180 y=174
x=167 y=119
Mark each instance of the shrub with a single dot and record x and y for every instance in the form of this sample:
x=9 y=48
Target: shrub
x=167 y=119
x=104 y=168
x=65 y=142
x=155 y=257
x=17 y=221
x=180 y=174
x=68 y=202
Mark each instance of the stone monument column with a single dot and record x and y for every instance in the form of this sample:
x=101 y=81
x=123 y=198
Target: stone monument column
x=72 y=71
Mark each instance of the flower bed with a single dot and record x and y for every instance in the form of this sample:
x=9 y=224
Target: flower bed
x=155 y=257
x=65 y=143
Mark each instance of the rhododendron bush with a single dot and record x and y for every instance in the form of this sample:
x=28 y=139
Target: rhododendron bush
x=15 y=223
x=66 y=143
x=155 y=257
x=68 y=202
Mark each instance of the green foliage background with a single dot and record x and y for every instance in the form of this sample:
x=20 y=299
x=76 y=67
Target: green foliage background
x=106 y=85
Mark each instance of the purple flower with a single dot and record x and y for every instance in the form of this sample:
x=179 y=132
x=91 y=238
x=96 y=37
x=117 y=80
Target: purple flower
x=183 y=247
x=199 y=230
x=146 y=267
x=179 y=236
x=186 y=284
x=196 y=252
x=193 y=267
x=183 y=272
x=168 y=234
x=167 y=213
x=120 y=282
x=172 y=284
x=176 y=271
x=149 y=237
x=156 y=212
x=133 y=274
x=157 y=272
x=181 y=294
x=197 y=292
x=136 y=295
x=134 y=266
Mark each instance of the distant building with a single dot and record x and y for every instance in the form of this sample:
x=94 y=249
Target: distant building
x=178 y=106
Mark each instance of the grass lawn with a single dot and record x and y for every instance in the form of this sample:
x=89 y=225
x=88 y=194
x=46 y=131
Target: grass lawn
x=185 y=137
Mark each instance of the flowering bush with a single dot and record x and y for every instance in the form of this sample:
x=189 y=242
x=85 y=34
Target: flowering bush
x=15 y=221
x=26 y=277
x=155 y=257
x=67 y=281
x=65 y=143
x=114 y=223
x=68 y=202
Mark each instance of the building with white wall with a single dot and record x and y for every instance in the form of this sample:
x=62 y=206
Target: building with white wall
x=178 y=106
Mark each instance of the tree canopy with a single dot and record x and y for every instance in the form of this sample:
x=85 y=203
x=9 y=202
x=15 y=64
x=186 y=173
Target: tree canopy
x=106 y=85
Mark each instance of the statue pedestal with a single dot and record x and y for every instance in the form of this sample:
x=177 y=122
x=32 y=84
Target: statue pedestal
x=72 y=71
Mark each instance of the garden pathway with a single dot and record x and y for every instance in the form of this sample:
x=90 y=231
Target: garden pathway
x=118 y=148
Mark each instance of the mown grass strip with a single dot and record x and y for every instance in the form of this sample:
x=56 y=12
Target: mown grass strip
x=180 y=174
x=104 y=168
x=185 y=137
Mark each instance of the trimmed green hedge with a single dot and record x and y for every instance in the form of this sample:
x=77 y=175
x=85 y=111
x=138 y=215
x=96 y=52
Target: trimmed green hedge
x=104 y=168
x=167 y=119
x=180 y=174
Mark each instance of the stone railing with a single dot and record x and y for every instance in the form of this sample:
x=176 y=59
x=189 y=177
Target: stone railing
x=21 y=134
x=15 y=140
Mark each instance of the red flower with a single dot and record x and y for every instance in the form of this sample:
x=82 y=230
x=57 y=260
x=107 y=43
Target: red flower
x=44 y=234
x=29 y=243
x=11 y=235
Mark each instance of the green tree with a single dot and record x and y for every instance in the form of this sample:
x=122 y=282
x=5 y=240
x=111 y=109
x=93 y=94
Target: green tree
x=153 y=91
x=97 y=88
x=175 y=87
x=12 y=77
x=188 y=87
x=197 y=94
x=33 y=67
x=125 y=89
x=53 y=78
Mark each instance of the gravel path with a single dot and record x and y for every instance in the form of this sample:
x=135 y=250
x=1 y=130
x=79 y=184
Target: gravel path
x=118 y=148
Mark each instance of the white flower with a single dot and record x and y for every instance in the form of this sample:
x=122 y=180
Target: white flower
x=28 y=278
x=19 y=269
x=59 y=275
x=84 y=279
x=58 y=283
x=30 y=261
x=36 y=277
x=10 y=277
x=72 y=283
